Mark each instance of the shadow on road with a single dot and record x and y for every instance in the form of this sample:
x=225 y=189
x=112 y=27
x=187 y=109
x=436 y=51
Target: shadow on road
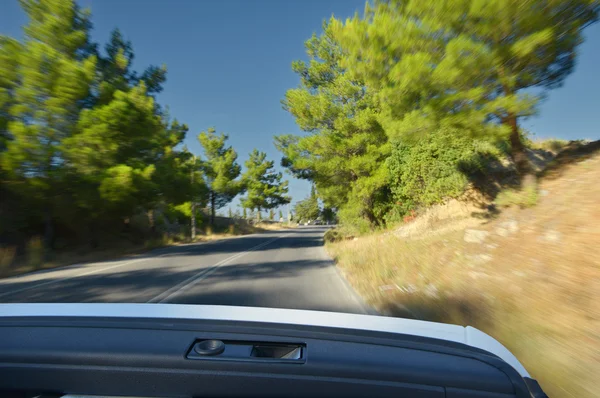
x=298 y=238
x=85 y=288
x=140 y=285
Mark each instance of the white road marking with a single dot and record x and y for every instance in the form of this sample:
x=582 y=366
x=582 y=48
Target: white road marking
x=94 y=271
x=121 y=264
x=186 y=284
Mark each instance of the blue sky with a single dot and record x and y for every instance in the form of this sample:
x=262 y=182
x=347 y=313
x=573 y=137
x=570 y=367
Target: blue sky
x=229 y=65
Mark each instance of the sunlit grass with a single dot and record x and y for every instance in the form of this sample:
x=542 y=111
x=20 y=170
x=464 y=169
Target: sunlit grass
x=533 y=282
x=550 y=144
x=525 y=197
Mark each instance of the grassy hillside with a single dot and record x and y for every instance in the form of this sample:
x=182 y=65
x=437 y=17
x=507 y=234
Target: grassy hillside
x=529 y=277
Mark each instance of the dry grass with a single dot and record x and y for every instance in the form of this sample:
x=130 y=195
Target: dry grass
x=525 y=197
x=241 y=229
x=7 y=257
x=455 y=214
x=533 y=282
x=549 y=144
x=274 y=226
x=24 y=264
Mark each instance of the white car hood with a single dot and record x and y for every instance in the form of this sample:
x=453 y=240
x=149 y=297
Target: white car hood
x=466 y=335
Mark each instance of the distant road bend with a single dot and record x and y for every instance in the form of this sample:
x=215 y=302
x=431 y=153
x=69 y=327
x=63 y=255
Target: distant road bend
x=283 y=269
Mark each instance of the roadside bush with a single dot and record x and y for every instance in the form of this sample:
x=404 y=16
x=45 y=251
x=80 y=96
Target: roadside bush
x=337 y=235
x=435 y=168
x=352 y=217
x=7 y=256
x=332 y=235
x=525 y=197
x=181 y=215
x=35 y=252
x=158 y=241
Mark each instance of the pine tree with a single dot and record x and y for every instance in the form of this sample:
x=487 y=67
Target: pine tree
x=467 y=64
x=83 y=142
x=307 y=209
x=264 y=186
x=10 y=52
x=345 y=147
x=53 y=77
x=221 y=170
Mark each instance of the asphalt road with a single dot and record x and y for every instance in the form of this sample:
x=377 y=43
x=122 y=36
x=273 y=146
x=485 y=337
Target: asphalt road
x=281 y=269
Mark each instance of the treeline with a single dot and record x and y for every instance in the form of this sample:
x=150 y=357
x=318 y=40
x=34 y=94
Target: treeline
x=309 y=209
x=86 y=152
x=403 y=105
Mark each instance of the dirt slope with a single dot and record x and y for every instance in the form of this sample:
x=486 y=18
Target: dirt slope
x=529 y=277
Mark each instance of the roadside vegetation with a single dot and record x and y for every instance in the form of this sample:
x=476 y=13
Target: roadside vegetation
x=91 y=163
x=448 y=209
x=530 y=277
x=35 y=257
x=412 y=140
x=412 y=102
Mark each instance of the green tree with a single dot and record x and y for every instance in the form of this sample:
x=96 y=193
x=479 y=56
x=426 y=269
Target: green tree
x=468 y=64
x=116 y=72
x=10 y=52
x=117 y=158
x=433 y=169
x=328 y=214
x=221 y=170
x=280 y=215
x=178 y=173
x=271 y=215
x=115 y=67
x=10 y=201
x=183 y=181
x=345 y=147
x=307 y=209
x=83 y=143
x=244 y=213
x=52 y=81
x=123 y=155
x=264 y=186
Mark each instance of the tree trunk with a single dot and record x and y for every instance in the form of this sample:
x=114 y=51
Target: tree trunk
x=92 y=233
x=193 y=220
x=258 y=215
x=150 y=215
x=212 y=209
x=372 y=219
x=48 y=231
x=193 y=207
x=518 y=154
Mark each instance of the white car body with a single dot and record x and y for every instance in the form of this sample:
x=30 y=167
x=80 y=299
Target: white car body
x=466 y=335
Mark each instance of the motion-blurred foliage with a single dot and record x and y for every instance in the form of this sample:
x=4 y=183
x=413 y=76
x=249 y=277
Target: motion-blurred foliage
x=422 y=85
x=435 y=168
x=85 y=149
